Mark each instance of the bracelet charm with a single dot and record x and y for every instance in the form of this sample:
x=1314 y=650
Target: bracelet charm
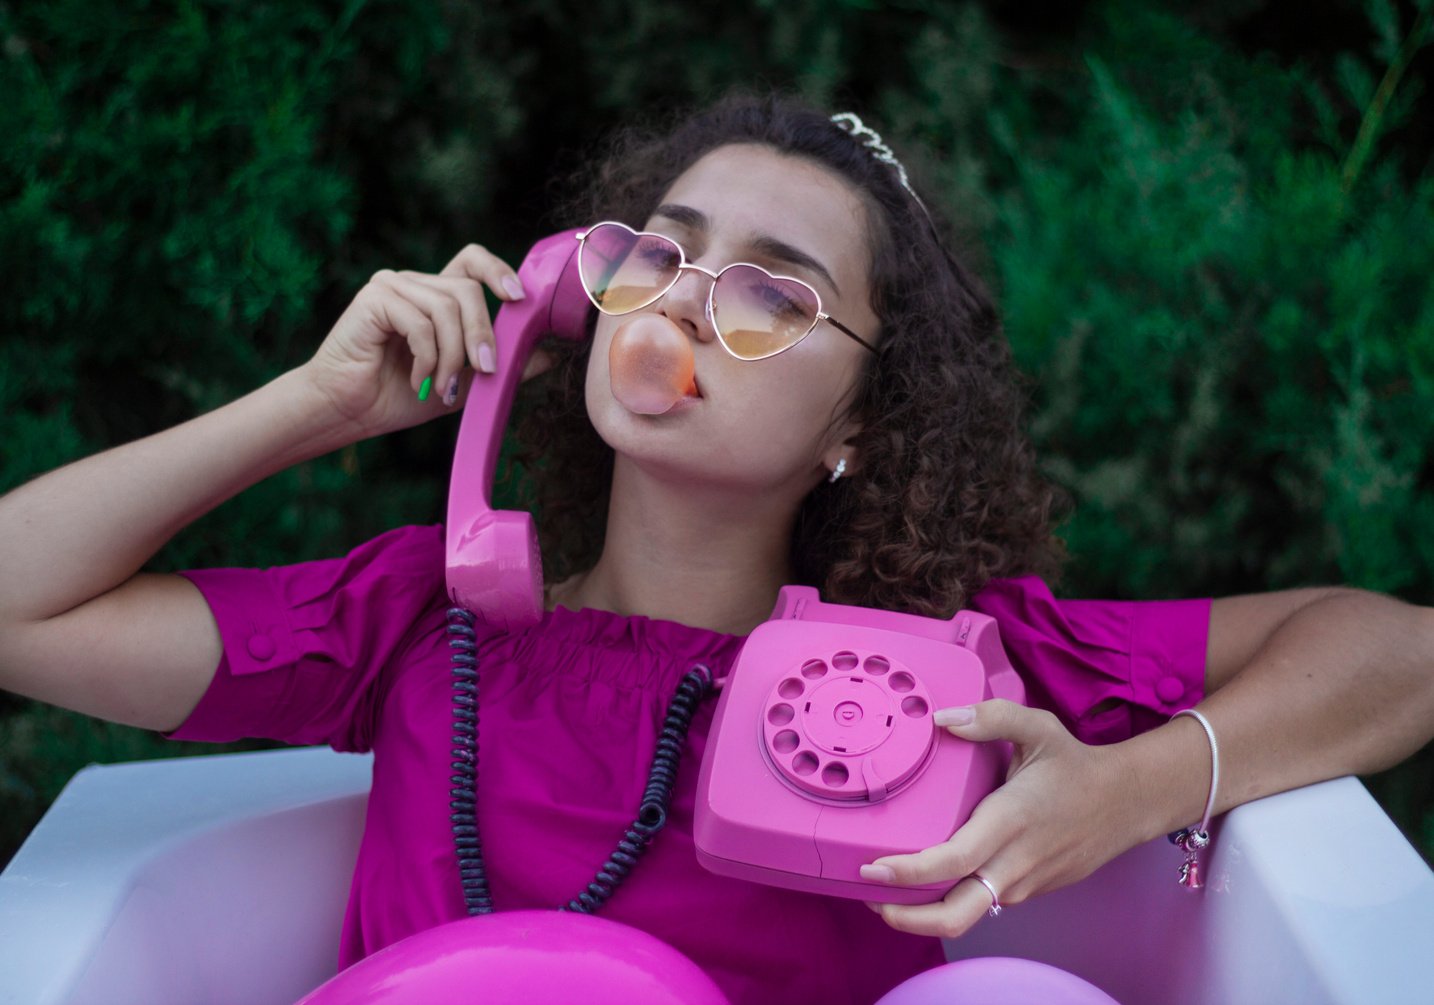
x=1190 y=840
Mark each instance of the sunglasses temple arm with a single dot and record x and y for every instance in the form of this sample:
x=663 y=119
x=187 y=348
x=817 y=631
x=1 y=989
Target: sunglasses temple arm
x=847 y=331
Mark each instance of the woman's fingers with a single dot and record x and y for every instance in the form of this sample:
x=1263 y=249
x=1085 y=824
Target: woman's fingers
x=1064 y=810
x=477 y=325
x=462 y=323
x=950 y=917
x=999 y=719
x=989 y=845
x=991 y=826
x=446 y=320
x=1031 y=730
x=998 y=818
x=994 y=842
x=395 y=313
x=975 y=848
x=477 y=264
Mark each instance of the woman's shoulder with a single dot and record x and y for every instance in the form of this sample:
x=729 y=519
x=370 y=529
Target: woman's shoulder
x=415 y=547
x=404 y=560
x=1030 y=600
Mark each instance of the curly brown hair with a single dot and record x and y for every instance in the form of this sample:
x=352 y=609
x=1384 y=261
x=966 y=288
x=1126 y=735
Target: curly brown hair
x=947 y=495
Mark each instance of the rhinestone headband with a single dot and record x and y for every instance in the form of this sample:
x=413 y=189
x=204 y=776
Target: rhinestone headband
x=868 y=137
x=850 y=123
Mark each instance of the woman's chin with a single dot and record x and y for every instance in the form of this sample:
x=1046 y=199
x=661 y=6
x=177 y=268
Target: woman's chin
x=678 y=447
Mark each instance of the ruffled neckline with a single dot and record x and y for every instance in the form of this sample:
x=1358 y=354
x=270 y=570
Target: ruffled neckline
x=630 y=632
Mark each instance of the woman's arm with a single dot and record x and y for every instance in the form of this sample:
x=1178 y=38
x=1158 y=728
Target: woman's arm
x=1301 y=686
x=1305 y=685
x=82 y=628
x=79 y=627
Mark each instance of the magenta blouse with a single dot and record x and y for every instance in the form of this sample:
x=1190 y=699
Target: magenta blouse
x=351 y=652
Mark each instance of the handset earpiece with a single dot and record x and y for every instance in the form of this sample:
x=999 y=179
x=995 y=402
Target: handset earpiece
x=494 y=566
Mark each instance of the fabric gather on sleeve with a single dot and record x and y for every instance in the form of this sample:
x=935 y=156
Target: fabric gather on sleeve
x=304 y=644
x=1108 y=669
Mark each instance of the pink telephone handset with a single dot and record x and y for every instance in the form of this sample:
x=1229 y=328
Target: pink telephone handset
x=823 y=754
x=494 y=568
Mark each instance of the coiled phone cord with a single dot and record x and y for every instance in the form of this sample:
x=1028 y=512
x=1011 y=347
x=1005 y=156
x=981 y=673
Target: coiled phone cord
x=695 y=686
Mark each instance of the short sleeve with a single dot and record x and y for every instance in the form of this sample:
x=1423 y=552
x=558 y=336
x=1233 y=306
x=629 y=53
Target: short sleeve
x=305 y=644
x=1108 y=669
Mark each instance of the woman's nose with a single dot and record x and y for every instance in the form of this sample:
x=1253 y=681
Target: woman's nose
x=686 y=304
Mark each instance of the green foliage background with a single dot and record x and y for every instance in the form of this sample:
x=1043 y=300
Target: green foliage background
x=1211 y=235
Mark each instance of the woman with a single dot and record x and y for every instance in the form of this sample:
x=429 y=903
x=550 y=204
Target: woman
x=878 y=457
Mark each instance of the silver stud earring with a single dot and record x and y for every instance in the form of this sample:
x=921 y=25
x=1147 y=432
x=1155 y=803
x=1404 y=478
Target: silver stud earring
x=840 y=470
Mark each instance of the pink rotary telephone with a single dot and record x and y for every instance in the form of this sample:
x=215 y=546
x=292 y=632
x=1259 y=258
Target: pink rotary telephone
x=823 y=754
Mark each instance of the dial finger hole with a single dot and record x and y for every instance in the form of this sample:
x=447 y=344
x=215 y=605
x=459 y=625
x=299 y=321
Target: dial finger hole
x=785 y=742
x=780 y=715
x=835 y=775
x=814 y=669
x=901 y=682
x=804 y=763
x=791 y=688
x=914 y=707
x=876 y=665
x=845 y=661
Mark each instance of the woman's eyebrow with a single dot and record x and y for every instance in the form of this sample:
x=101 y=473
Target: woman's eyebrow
x=766 y=244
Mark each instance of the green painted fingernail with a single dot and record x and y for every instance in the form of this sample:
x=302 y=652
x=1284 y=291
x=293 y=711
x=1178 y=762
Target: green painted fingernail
x=424 y=388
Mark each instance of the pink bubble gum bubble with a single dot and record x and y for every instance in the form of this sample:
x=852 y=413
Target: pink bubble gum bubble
x=650 y=364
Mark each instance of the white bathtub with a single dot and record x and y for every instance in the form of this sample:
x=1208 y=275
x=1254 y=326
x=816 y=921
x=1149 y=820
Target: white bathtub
x=223 y=880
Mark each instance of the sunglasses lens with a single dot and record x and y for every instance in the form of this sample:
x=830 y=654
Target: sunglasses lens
x=623 y=271
x=758 y=315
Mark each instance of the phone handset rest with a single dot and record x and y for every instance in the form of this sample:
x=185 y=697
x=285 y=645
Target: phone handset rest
x=976 y=633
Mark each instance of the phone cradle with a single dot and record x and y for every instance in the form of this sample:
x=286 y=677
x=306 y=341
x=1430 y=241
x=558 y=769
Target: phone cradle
x=823 y=754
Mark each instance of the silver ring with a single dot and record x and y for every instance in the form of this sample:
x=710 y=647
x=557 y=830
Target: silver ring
x=994 y=911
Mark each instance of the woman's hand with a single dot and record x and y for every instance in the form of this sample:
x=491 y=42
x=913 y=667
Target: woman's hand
x=405 y=327
x=1062 y=813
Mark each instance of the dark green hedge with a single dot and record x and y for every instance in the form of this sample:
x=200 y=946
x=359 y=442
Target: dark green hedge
x=1211 y=237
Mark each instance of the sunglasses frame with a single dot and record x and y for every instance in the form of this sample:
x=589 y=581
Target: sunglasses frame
x=683 y=263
